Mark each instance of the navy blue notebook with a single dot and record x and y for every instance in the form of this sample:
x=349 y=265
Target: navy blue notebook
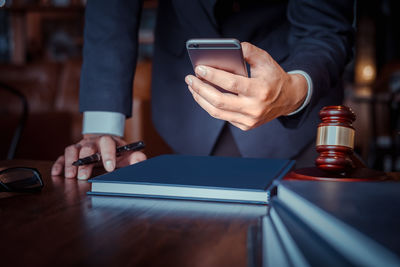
x=361 y=220
x=247 y=180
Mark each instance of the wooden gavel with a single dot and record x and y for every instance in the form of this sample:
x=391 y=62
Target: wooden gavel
x=335 y=139
x=335 y=145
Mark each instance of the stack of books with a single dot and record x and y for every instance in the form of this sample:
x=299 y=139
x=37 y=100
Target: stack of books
x=303 y=223
x=314 y=223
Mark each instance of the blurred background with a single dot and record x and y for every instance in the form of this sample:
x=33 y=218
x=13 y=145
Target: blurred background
x=41 y=55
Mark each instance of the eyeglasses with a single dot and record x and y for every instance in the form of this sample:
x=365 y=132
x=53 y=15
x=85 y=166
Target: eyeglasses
x=20 y=179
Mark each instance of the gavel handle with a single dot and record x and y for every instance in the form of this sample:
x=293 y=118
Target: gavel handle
x=357 y=161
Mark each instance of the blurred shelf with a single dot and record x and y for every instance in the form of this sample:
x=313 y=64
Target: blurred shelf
x=45 y=8
x=30 y=25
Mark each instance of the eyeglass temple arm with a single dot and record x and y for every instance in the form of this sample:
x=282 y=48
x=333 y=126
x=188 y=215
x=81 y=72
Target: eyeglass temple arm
x=3 y=188
x=22 y=120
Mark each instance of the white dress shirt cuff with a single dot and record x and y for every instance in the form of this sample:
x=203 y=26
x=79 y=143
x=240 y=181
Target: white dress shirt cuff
x=103 y=122
x=309 y=90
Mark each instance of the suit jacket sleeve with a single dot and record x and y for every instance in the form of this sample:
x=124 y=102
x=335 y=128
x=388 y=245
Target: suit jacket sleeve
x=109 y=55
x=321 y=42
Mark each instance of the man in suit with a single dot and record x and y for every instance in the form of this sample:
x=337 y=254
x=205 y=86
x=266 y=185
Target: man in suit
x=296 y=49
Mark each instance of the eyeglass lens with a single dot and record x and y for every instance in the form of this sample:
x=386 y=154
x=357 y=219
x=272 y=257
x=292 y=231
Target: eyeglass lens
x=18 y=179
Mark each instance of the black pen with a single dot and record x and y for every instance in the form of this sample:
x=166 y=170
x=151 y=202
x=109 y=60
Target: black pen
x=97 y=156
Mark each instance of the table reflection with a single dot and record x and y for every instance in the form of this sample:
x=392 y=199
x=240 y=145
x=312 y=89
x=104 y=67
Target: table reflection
x=178 y=208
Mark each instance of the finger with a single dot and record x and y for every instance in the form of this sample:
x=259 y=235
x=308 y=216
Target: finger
x=85 y=171
x=131 y=158
x=108 y=149
x=58 y=166
x=137 y=157
x=262 y=65
x=213 y=111
x=255 y=56
x=233 y=83
x=240 y=126
x=242 y=121
x=215 y=97
x=71 y=155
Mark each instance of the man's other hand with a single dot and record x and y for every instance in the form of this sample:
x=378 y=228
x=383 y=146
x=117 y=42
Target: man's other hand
x=90 y=144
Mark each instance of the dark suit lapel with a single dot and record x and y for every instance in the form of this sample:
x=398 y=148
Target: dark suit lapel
x=198 y=16
x=209 y=8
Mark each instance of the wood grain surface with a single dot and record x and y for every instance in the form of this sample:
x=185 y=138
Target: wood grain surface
x=62 y=226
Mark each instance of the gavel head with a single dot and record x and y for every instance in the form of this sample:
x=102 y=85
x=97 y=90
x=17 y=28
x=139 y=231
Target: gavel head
x=335 y=139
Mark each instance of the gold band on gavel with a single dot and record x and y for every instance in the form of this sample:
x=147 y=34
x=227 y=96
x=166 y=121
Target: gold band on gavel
x=335 y=135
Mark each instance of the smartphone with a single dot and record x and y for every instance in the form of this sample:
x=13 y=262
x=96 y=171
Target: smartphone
x=222 y=53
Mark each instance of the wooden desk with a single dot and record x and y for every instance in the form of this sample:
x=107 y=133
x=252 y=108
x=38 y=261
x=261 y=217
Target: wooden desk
x=64 y=226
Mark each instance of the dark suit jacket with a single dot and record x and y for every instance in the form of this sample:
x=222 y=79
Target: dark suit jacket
x=313 y=36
